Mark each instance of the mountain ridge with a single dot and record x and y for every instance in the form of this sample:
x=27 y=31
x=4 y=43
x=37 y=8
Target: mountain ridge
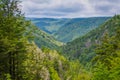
x=42 y=39
x=84 y=49
x=71 y=28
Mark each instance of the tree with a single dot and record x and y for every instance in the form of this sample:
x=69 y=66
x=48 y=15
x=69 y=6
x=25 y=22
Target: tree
x=13 y=39
x=107 y=59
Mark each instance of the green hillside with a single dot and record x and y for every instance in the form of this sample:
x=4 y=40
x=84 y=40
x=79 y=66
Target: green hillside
x=42 y=39
x=22 y=59
x=77 y=27
x=48 y=64
x=83 y=48
x=49 y=25
x=70 y=28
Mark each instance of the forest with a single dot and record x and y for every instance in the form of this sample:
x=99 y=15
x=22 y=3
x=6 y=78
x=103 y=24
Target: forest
x=28 y=53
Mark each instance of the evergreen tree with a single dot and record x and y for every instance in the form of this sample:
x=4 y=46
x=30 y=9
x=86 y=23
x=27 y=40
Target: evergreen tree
x=12 y=40
x=107 y=59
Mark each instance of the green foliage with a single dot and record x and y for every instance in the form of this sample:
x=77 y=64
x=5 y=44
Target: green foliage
x=70 y=28
x=101 y=73
x=83 y=47
x=8 y=77
x=108 y=57
x=13 y=40
x=54 y=74
x=42 y=39
x=50 y=65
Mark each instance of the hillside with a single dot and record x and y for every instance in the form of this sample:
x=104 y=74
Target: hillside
x=77 y=27
x=94 y=56
x=49 y=25
x=48 y=64
x=42 y=39
x=83 y=48
x=71 y=28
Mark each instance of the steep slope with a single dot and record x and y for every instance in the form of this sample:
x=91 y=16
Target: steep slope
x=77 y=27
x=83 y=48
x=49 y=25
x=71 y=28
x=42 y=39
x=48 y=64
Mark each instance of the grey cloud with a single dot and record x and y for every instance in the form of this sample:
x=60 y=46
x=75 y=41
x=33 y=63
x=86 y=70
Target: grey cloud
x=67 y=8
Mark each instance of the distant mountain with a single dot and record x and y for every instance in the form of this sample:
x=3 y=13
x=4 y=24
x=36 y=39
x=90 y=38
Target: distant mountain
x=83 y=47
x=42 y=39
x=77 y=27
x=49 y=25
x=68 y=29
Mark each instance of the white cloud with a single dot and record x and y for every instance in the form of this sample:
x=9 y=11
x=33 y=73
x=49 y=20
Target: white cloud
x=70 y=8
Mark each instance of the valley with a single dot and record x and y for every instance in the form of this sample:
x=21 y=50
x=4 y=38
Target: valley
x=93 y=45
x=71 y=28
x=43 y=39
x=58 y=48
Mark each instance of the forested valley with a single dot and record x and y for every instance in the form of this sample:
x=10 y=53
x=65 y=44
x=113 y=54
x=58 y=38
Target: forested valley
x=29 y=53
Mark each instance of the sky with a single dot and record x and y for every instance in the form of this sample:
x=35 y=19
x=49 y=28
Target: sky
x=70 y=8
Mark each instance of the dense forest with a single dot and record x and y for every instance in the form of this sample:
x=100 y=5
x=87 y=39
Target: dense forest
x=28 y=53
x=42 y=39
x=85 y=50
x=71 y=28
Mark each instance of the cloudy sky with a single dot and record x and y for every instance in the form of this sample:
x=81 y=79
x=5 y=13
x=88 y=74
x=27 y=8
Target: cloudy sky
x=70 y=8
